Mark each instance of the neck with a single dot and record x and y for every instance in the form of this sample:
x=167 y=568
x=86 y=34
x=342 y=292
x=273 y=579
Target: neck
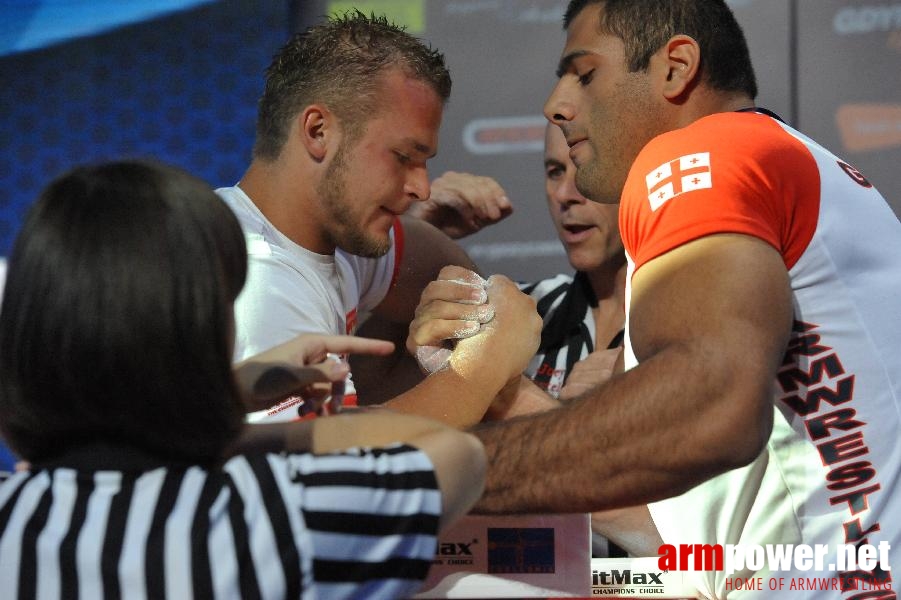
x=608 y=281
x=609 y=285
x=287 y=198
x=705 y=102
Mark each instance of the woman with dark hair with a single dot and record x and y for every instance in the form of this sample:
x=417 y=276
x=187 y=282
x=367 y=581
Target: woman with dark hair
x=116 y=334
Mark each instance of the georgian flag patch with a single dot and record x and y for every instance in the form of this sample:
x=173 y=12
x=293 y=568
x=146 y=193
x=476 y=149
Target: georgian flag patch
x=686 y=173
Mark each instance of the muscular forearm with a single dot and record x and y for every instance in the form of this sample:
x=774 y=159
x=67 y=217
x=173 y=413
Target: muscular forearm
x=363 y=427
x=709 y=322
x=520 y=397
x=634 y=440
x=456 y=399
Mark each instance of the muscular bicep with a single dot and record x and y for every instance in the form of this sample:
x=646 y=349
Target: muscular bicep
x=725 y=300
x=426 y=251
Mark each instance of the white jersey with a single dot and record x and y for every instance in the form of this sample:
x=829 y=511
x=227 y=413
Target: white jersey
x=291 y=290
x=829 y=473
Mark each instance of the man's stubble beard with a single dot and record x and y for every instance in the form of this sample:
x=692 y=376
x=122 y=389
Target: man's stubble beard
x=589 y=181
x=340 y=228
x=617 y=138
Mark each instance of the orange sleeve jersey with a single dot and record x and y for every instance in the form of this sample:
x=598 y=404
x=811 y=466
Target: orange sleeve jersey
x=726 y=173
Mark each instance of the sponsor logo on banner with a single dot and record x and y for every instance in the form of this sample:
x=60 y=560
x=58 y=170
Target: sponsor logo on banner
x=515 y=250
x=455 y=553
x=894 y=41
x=865 y=127
x=874 y=18
x=638 y=578
x=625 y=577
x=504 y=135
x=685 y=174
x=521 y=550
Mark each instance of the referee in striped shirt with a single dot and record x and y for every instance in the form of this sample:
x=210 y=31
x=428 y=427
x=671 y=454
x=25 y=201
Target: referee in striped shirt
x=116 y=386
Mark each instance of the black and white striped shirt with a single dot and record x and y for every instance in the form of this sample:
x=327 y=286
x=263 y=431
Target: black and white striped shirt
x=354 y=524
x=568 y=330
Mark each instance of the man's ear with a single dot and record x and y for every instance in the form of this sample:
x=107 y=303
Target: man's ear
x=681 y=57
x=316 y=125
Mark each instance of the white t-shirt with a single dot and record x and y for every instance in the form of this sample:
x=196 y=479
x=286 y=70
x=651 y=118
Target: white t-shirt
x=291 y=290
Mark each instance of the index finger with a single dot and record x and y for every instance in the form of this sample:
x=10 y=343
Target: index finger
x=347 y=344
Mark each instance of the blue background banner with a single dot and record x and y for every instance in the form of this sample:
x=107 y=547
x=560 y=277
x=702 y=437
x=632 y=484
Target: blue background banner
x=179 y=87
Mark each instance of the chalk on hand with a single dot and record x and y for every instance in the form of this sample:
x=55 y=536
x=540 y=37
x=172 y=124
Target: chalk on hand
x=432 y=359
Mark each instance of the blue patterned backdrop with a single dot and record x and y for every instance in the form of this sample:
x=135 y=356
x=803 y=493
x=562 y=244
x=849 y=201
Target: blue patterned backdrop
x=181 y=87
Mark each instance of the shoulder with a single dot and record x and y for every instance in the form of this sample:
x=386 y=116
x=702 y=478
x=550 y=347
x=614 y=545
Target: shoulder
x=271 y=265
x=725 y=173
x=236 y=200
x=249 y=216
x=726 y=142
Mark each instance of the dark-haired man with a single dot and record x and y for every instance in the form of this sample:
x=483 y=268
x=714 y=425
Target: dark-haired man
x=762 y=397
